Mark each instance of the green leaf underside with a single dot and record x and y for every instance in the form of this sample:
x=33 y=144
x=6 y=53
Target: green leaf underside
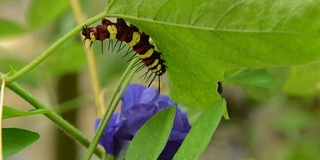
x=270 y=83
x=9 y=112
x=256 y=78
x=201 y=132
x=304 y=80
x=15 y=139
x=200 y=40
x=152 y=136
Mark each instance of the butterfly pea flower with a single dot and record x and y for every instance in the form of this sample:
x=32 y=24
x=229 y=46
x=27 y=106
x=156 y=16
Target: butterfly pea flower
x=139 y=104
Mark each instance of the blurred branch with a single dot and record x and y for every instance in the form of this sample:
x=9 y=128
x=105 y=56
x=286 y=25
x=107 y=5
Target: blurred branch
x=67 y=89
x=77 y=12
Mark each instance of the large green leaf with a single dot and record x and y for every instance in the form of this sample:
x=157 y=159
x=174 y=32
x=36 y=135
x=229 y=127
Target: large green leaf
x=200 y=40
x=201 y=132
x=15 y=139
x=152 y=136
x=9 y=112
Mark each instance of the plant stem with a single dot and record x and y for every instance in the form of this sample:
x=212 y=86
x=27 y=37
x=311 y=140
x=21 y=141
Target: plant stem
x=64 y=125
x=3 y=83
x=51 y=49
x=112 y=104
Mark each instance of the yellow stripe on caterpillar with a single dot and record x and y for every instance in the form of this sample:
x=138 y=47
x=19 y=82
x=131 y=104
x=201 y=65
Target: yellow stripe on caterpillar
x=113 y=31
x=92 y=37
x=147 y=54
x=157 y=69
x=135 y=39
x=156 y=62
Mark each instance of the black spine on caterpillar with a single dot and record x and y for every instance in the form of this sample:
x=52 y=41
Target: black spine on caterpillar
x=139 y=41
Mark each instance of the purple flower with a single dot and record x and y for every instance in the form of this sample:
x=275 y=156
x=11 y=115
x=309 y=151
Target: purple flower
x=138 y=105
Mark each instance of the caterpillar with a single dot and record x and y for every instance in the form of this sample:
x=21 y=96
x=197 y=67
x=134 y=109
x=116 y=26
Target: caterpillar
x=139 y=41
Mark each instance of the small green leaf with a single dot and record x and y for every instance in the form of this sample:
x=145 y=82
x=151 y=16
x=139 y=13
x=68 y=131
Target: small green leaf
x=152 y=137
x=43 y=12
x=9 y=112
x=201 y=132
x=262 y=92
x=9 y=28
x=255 y=78
x=15 y=139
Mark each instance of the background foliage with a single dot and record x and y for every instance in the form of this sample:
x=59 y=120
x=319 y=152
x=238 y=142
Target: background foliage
x=266 y=53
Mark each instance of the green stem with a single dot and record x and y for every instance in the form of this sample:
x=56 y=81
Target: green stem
x=51 y=49
x=112 y=104
x=3 y=83
x=64 y=125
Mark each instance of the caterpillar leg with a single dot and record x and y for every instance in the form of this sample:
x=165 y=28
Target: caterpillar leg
x=152 y=80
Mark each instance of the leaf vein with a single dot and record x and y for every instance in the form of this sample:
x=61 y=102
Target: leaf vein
x=227 y=12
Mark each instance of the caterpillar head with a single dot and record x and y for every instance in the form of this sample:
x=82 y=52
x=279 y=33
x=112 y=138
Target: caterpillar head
x=86 y=32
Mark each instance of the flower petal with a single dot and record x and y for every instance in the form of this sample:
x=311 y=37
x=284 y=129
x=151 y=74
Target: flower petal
x=107 y=138
x=139 y=104
x=131 y=96
x=136 y=116
x=149 y=95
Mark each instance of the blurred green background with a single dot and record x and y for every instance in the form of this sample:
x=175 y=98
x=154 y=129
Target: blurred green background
x=280 y=122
